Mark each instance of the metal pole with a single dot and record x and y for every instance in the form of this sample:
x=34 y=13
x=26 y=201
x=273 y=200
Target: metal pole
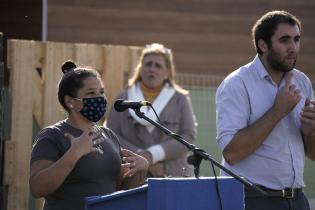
x=44 y=20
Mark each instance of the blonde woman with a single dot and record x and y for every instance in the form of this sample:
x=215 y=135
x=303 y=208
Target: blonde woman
x=153 y=80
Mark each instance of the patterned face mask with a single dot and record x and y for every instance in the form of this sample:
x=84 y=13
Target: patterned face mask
x=93 y=108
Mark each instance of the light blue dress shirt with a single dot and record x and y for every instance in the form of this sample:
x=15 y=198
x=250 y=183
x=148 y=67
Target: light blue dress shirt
x=241 y=99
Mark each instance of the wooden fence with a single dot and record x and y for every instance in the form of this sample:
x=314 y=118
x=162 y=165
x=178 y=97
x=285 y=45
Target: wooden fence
x=34 y=75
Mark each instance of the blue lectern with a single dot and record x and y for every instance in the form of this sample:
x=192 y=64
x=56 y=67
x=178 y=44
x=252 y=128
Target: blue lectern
x=174 y=194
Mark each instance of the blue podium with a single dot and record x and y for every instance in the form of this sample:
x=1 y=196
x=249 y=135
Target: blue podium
x=174 y=194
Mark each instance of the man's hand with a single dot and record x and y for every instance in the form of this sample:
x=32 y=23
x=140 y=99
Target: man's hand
x=287 y=98
x=308 y=118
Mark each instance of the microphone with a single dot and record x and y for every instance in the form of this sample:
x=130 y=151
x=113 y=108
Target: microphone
x=121 y=105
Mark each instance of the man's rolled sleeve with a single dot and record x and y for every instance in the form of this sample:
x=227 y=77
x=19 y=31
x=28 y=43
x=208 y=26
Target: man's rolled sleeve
x=233 y=110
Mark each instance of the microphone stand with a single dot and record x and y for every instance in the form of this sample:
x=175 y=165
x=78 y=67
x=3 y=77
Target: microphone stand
x=199 y=154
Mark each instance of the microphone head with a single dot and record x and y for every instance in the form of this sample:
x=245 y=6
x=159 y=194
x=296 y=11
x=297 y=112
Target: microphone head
x=121 y=105
x=118 y=105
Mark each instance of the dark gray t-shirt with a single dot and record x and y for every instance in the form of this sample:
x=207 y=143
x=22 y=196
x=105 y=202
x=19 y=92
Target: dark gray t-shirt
x=94 y=174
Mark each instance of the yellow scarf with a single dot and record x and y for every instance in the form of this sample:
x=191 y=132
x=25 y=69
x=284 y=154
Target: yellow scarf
x=150 y=94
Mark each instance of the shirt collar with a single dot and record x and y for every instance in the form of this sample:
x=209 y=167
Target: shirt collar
x=260 y=69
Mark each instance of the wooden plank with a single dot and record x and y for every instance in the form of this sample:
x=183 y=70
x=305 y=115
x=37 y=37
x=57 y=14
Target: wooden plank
x=135 y=53
x=134 y=20
x=199 y=42
x=37 y=97
x=89 y=55
x=116 y=63
x=55 y=55
x=21 y=67
x=37 y=82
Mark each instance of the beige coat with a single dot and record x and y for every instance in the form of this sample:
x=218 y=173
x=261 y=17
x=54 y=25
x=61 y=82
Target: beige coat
x=177 y=116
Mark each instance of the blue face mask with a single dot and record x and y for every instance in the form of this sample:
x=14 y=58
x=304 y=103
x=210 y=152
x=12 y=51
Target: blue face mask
x=94 y=108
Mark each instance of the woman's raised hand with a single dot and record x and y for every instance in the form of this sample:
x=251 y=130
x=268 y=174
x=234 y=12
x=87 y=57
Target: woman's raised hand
x=87 y=142
x=132 y=163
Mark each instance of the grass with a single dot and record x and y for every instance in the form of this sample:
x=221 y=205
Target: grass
x=203 y=101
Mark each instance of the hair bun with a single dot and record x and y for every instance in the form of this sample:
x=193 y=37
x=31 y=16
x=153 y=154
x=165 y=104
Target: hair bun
x=68 y=66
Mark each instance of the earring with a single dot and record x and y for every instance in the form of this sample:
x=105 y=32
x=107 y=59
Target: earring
x=71 y=106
